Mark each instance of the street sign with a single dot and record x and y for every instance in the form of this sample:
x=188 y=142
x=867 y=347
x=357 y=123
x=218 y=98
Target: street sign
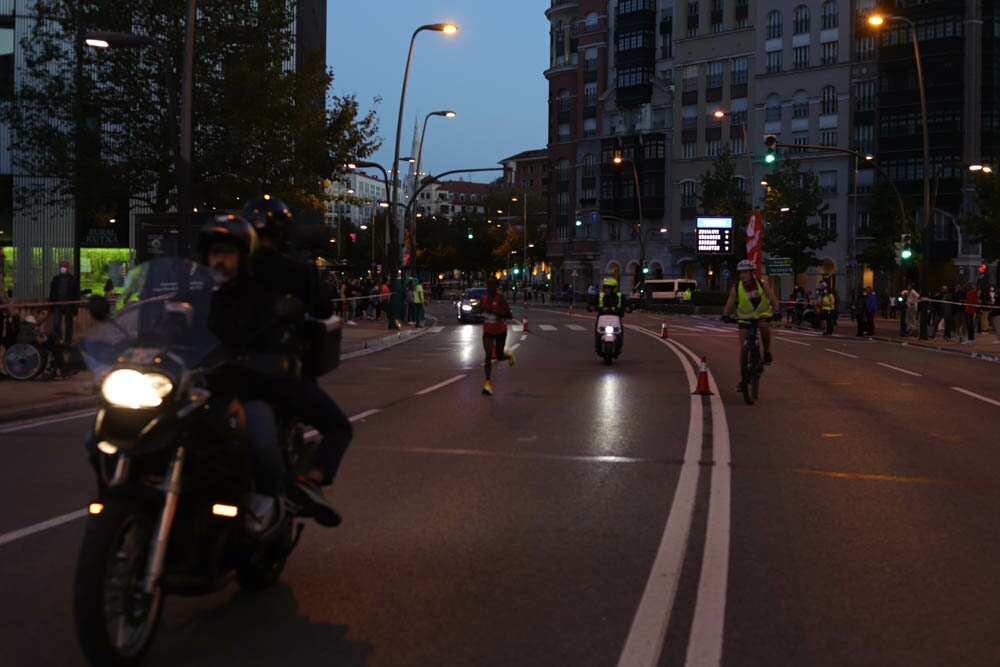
x=574 y=273
x=715 y=236
x=777 y=266
x=595 y=217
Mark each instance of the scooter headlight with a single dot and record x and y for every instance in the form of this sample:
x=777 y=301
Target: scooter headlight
x=609 y=329
x=127 y=388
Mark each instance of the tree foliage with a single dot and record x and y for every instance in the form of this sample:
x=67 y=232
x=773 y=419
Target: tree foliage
x=791 y=209
x=887 y=224
x=101 y=121
x=985 y=227
x=723 y=195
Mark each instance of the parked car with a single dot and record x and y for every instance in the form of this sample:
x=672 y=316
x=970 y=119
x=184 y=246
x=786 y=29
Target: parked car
x=467 y=305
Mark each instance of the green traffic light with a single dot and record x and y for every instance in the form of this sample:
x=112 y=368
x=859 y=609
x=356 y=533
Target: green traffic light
x=906 y=253
x=769 y=158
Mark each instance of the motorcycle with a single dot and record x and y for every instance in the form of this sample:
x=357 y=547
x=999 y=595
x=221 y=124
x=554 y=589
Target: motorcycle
x=175 y=511
x=608 y=335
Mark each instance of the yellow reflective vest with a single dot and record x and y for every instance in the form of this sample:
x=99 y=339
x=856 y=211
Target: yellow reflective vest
x=745 y=310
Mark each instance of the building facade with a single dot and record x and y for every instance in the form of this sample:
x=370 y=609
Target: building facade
x=666 y=85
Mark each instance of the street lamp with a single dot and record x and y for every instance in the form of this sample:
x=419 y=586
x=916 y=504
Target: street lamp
x=618 y=159
x=447 y=113
x=877 y=20
x=104 y=39
x=447 y=28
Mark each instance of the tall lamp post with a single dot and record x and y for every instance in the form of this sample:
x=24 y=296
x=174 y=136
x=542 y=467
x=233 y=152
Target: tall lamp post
x=390 y=222
x=618 y=159
x=447 y=113
x=447 y=28
x=182 y=157
x=878 y=20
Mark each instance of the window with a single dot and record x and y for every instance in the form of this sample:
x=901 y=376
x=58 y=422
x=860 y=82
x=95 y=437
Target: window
x=800 y=57
x=713 y=148
x=830 y=14
x=828 y=182
x=864 y=47
x=864 y=96
x=690 y=150
x=828 y=138
x=828 y=223
x=828 y=100
x=6 y=58
x=773 y=108
x=633 y=76
x=774 y=24
x=864 y=223
x=828 y=53
x=614 y=231
x=864 y=138
x=738 y=73
x=800 y=20
x=742 y=13
x=563 y=100
x=590 y=94
x=713 y=77
x=692 y=19
x=690 y=81
x=737 y=146
x=689 y=195
x=773 y=62
x=800 y=104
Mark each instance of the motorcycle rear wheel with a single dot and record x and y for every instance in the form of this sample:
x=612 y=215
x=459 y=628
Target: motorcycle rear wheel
x=115 y=619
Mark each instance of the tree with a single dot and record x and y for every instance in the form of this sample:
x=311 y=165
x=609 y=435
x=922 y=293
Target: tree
x=97 y=121
x=792 y=200
x=985 y=227
x=886 y=227
x=722 y=194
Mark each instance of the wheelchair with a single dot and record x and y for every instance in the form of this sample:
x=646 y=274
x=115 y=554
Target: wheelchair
x=22 y=361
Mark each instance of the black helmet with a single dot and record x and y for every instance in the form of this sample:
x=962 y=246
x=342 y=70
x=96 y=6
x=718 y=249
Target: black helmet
x=227 y=227
x=271 y=218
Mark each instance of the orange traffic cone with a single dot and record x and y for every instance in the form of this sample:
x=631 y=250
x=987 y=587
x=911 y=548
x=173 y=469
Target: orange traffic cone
x=663 y=330
x=702 y=387
x=570 y=309
x=524 y=324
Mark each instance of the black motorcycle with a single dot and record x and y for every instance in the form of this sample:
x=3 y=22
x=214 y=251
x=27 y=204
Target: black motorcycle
x=175 y=512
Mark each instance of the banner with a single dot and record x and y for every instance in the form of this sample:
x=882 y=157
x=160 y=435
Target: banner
x=754 y=246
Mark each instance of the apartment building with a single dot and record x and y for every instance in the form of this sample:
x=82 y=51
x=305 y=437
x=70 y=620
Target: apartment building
x=668 y=84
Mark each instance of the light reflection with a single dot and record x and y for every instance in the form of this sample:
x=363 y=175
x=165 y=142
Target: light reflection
x=609 y=411
x=472 y=348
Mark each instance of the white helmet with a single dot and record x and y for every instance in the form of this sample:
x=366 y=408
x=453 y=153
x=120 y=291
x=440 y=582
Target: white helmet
x=745 y=265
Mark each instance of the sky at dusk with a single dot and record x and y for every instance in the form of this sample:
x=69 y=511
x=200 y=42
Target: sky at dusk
x=490 y=73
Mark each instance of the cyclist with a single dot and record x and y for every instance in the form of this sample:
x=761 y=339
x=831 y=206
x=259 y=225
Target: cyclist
x=751 y=299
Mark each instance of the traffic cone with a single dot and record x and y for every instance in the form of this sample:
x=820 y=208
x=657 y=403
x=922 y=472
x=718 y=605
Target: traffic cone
x=570 y=309
x=663 y=330
x=702 y=387
x=524 y=324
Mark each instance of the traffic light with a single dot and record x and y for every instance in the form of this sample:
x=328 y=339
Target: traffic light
x=579 y=220
x=469 y=232
x=770 y=141
x=905 y=249
x=982 y=268
x=645 y=269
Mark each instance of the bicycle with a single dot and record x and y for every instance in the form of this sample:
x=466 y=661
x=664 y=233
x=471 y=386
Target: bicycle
x=751 y=361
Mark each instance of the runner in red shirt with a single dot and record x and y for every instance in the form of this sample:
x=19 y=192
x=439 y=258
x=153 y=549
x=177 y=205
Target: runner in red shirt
x=496 y=312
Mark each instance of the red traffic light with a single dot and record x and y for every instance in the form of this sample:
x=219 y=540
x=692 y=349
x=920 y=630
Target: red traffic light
x=982 y=268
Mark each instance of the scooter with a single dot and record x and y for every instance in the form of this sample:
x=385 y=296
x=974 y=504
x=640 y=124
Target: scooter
x=608 y=336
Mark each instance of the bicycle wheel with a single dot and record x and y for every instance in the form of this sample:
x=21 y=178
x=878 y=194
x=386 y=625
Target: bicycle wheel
x=22 y=361
x=756 y=369
x=746 y=372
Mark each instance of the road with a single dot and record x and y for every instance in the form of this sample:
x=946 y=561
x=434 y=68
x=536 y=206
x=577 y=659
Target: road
x=592 y=515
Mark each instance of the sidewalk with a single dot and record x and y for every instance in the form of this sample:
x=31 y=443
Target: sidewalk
x=34 y=398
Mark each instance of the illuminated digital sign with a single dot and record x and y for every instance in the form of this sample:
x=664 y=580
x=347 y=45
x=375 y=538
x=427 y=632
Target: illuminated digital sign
x=715 y=236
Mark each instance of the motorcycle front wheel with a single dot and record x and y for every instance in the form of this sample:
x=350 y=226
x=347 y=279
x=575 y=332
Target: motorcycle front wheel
x=115 y=619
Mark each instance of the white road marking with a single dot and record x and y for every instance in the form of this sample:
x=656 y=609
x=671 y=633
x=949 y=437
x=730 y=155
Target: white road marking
x=364 y=415
x=34 y=423
x=576 y=327
x=901 y=370
x=547 y=327
x=796 y=342
x=44 y=525
x=441 y=384
x=843 y=354
x=436 y=329
x=977 y=396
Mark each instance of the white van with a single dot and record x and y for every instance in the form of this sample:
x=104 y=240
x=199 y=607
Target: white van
x=664 y=290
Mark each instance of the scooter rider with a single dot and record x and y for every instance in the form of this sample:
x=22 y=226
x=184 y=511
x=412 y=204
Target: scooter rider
x=300 y=397
x=610 y=302
x=751 y=299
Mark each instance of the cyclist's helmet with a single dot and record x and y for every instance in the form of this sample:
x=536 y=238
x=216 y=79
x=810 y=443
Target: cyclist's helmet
x=610 y=282
x=227 y=227
x=745 y=265
x=271 y=218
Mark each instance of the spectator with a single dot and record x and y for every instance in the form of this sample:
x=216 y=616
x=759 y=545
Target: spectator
x=971 y=299
x=64 y=293
x=947 y=312
x=871 y=307
x=911 y=298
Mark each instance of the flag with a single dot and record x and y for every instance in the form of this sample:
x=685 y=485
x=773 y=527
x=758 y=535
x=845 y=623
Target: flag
x=754 y=246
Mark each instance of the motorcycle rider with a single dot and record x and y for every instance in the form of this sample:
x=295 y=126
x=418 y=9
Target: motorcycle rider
x=751 y=299
x=245 y=317
x=301 y=397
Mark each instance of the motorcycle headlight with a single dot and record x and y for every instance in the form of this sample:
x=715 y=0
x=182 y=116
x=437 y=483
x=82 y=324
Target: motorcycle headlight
x=131 y=389
x=609 y=330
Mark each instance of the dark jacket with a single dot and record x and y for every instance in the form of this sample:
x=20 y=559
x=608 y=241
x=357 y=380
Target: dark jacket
x=287 y=276
x=64 y=287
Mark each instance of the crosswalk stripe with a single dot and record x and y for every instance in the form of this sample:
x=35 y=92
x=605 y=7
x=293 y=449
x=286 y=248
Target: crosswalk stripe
x=547 y=327
x=575 y=327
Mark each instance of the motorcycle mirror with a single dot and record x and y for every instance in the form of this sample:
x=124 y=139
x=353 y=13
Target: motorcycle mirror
x=98 y=307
